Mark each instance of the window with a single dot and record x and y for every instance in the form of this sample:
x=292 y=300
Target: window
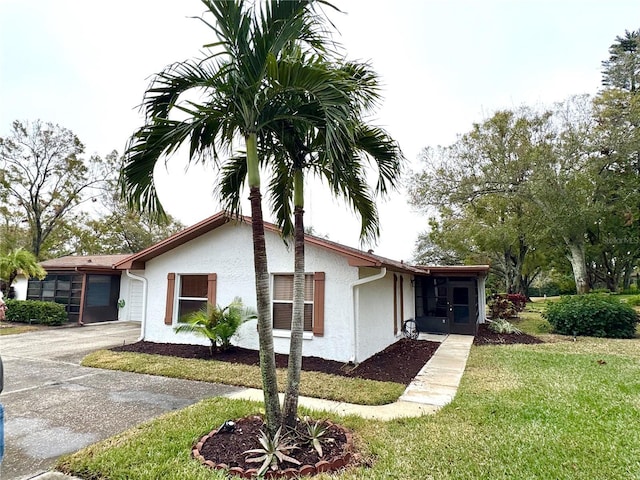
x=283 y=301
x=193 y=294
x=62 y=288
x=98 y=290
x=194 y=291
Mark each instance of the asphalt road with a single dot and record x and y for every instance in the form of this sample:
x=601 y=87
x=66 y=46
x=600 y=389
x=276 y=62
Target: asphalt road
x=54 y=406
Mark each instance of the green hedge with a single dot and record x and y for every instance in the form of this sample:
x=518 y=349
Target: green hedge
x=32 y=311
x=592 y=315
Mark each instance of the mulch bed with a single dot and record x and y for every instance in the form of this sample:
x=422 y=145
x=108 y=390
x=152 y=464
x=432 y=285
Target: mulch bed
x=227 y=448
x=487 y=337
x=399 y=362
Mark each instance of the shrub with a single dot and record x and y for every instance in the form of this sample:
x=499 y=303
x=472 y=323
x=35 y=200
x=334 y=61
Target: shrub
x=218 y=324
x=500 y=307
x=634 y=301
x=33 y=311
x=519 y=301
x=593 y=315
x=503 y=326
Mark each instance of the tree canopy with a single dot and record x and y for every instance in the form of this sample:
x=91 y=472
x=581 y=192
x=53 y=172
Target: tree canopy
x=537 y=190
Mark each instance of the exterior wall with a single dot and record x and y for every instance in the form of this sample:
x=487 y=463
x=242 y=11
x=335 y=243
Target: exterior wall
x=375 y=304
x=228 y=252
x=20 y=286
x=409 y=298
x=131 y=291
x=375 y=316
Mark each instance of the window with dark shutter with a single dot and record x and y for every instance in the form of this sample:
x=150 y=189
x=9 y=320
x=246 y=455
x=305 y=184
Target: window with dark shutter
x=283 y=301
x=193 y=294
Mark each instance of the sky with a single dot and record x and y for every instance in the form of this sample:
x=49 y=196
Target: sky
x=444 y=65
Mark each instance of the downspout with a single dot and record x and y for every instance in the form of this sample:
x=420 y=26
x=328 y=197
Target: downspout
x=144 y=302
x=355 y=294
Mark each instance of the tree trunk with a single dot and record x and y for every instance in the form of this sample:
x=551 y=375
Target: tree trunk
x=273 y=415
x=297 y=323
x=578 y=264
x=508 y=277
x=626 y=278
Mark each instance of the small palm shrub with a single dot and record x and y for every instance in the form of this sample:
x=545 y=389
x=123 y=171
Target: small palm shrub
x=503 y=326
x=216 y=323
x=592 y=315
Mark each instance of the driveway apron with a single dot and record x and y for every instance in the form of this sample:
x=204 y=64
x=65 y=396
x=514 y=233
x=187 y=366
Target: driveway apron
x=54 y=406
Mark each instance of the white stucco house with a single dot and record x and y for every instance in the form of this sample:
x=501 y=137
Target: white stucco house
x=355 y=301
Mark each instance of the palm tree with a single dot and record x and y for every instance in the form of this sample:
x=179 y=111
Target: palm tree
x=244 y=85
x=298 y=149
x=19 y=261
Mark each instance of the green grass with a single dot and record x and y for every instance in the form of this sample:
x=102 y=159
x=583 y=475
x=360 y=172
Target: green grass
x=530 y=321
x=12 y=329
x=313 y=384
x=561 y=410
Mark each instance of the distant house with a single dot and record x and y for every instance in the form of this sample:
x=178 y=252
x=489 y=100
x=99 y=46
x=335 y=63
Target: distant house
x=355 y=302
x=88 y=286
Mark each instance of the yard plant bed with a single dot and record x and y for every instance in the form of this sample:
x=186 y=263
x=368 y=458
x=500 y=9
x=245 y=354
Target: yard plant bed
x=486 y=336
x=226 y=450
x=399 y=362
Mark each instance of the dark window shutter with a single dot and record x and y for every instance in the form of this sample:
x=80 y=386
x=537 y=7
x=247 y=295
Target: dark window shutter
x=212 y=285
x=318 y=304
x=171 y=288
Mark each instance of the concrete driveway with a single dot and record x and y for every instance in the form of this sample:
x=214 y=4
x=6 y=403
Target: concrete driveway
x=54 y=406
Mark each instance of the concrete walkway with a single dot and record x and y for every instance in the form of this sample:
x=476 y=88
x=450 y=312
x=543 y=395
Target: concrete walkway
x=434 y=386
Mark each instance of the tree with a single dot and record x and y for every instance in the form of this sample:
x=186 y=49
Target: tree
x=477 y=186
x=115 y=228
x=528 y=177
x=44 y=180
x=616 y=250
x=243 y=87
x=18 y=261
x=563 y=184
x=297 y=150
x=622 y=69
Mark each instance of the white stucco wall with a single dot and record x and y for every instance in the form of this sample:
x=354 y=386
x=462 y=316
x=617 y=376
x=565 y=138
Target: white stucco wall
x=375 y=326
x=20 y=285
x=228 y=252
x=131 y=291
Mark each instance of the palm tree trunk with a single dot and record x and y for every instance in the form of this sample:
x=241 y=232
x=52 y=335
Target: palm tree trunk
x=265 y=328
x=297 y=321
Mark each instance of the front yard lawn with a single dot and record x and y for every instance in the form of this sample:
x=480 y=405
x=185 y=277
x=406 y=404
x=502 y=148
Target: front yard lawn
x=561 y=410
x=313 y=384
x=7 y=328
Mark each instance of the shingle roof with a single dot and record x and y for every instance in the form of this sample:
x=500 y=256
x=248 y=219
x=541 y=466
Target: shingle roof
x=354 y=256
x=84 y=262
